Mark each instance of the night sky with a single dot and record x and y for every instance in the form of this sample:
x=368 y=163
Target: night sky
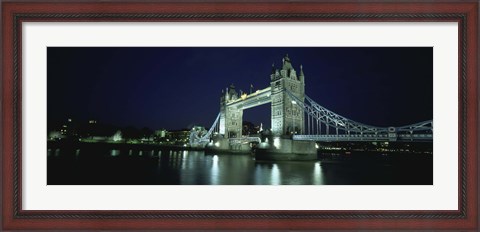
x=176 y=88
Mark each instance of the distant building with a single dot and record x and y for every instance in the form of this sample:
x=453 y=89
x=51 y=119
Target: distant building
x=55 y=135
x=68 y=129
x=160 y=133
x=178 y=137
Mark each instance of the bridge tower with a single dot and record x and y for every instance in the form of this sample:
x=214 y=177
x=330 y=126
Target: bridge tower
x=287 y=116
x=230 y=116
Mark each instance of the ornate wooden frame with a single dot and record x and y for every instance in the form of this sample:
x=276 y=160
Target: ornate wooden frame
x=14 y=13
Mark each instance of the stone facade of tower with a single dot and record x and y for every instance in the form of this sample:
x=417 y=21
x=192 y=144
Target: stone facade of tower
x=231 y=117
x=287 y=116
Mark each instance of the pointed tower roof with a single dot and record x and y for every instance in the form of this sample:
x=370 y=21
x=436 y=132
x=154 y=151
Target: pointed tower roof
x=232 y=90
x=287 y=64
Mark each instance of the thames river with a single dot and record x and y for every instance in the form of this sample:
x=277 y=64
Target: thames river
x=169 y=167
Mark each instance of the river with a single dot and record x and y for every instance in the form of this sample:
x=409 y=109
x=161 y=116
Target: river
x=169 y=167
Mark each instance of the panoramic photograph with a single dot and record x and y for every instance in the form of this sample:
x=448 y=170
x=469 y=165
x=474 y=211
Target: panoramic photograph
x=239 y=116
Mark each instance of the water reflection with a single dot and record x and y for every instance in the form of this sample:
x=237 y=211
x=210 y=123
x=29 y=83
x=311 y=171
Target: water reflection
x=194 y=167
x=275 y=175
x=214 y=174
x=167 y=167
x=317 y=174
x=115 y=152
x=184 y=159
x=288 y=173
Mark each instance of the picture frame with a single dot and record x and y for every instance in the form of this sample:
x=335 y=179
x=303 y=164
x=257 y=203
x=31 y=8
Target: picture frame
x=14 y=13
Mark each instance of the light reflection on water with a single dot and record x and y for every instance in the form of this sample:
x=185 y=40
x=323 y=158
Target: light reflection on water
x=112 y=152
x=196 y=167
x=214 y=176
x=237 y=169
x=317 y=174
x=275 y=175
x=169 y=167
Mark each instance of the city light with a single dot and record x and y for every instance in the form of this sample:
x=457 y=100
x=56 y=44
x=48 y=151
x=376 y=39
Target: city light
x=117 y=136
x=264 y=145
x=244 y=96
x=276 y=142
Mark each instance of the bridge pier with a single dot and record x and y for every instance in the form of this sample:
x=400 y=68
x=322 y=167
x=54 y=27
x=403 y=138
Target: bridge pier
x=286 y=149
x=273 y=149
x=225 y=145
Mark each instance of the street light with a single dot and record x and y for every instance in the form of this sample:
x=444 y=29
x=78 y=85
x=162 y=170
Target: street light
x=293 y=117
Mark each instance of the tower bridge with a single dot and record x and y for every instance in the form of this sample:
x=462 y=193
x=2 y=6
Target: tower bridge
x=297 y=120
x=287 y=118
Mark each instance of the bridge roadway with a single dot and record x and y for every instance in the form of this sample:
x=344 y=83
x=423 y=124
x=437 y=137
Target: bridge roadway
x=365 y=137
x=257 y=98
x=244 y=140
x=346 y=138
